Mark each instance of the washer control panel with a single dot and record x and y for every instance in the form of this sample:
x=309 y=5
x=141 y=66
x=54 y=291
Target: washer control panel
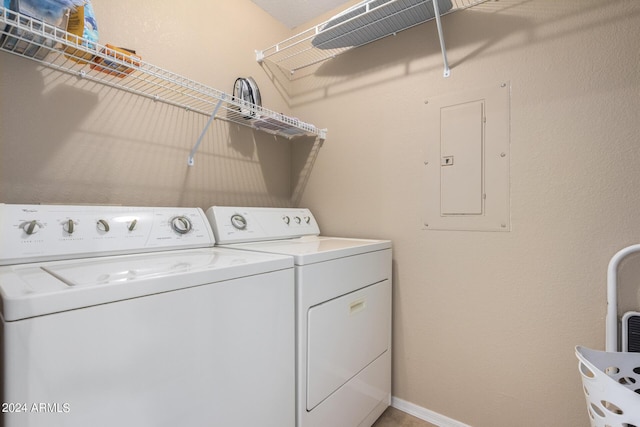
x=32 y=233
x=246 y=224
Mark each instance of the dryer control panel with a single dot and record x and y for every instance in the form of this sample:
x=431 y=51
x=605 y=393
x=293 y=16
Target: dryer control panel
x=246 y=224
x=31 y=233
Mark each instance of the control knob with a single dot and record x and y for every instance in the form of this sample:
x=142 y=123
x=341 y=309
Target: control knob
x=238 y=221
x=102 y=225
x=286 y=219
x=181 y=225
x=297 y=219
x=69 y=226
x=31 y=227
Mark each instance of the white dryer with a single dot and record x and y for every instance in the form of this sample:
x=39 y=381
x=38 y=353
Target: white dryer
x=121 y=316
x=343 y=311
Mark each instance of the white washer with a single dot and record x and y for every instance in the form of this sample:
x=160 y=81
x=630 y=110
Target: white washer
x=343 y=311
x=120 y=316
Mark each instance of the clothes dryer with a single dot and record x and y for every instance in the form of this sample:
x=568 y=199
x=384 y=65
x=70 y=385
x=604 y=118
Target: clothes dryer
x=343 y=311
x=128 y=316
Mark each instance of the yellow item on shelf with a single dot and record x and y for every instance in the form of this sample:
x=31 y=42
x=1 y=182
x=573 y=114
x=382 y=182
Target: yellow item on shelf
x=75 y=28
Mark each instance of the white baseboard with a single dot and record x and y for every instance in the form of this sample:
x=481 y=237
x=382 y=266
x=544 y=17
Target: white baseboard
x=425 y=414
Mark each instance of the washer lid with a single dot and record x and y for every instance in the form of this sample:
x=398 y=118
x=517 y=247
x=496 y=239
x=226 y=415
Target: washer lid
x=312 y=249
x=30 y=290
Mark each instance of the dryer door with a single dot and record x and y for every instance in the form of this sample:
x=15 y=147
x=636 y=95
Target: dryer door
x=344 y=336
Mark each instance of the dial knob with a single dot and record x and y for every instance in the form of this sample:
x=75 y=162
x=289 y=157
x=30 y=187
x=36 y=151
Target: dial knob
x=238 y=221
x=69 y=226
x=102 y=225
x=286 y=219
x=307 y=219
x=181 y=224
x=132 y=225
x=297 y=219
x=31 y=227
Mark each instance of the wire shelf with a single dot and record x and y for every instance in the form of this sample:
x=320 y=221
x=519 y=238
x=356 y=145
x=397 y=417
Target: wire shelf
x=55 y=48
x=369 y=22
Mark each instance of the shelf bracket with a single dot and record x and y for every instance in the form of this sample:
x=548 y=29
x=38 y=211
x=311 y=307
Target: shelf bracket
x=190 y=160
x=436 y=10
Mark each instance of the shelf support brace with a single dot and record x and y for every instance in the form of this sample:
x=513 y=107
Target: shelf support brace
x=190 y=160
x=436 y=10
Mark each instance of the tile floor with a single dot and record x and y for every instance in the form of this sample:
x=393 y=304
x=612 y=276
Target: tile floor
x=393 y=417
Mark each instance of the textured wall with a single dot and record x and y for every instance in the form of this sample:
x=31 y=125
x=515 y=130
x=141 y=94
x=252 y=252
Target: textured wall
x=65 y=140
x=486 y=322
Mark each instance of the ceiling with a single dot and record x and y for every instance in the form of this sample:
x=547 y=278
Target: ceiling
x=293 y=13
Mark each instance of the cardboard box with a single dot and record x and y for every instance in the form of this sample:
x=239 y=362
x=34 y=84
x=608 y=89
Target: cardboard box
x=116 y=68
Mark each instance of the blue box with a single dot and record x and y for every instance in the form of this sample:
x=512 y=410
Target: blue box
x=29 y=43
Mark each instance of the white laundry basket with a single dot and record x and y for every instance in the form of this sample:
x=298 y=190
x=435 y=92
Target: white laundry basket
x=611 y=383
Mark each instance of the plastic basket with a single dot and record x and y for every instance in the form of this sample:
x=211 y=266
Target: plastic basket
x=611 y=383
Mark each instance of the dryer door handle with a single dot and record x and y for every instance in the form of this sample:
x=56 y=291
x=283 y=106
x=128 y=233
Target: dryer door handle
x=357 y=306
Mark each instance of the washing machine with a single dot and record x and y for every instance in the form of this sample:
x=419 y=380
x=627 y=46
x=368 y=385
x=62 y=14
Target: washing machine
x=343 y=311
x=128 y=316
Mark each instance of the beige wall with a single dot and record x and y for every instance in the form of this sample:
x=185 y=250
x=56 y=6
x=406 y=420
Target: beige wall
x=65 y=140
x=485 y=322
